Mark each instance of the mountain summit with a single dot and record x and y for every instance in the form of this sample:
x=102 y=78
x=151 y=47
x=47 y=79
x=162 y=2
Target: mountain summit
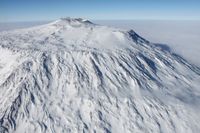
x=73 y=21
x=75 y=76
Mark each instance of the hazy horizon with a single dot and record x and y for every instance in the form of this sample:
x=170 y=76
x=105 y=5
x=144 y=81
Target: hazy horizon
x=23 y=10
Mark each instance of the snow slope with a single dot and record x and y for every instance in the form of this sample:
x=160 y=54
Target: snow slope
x=75 y=76
x=181 y=35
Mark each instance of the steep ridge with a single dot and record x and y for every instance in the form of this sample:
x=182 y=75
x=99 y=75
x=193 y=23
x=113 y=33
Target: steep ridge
x=75 y=76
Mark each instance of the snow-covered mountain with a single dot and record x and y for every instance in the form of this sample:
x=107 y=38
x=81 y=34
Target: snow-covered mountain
x=75 y=76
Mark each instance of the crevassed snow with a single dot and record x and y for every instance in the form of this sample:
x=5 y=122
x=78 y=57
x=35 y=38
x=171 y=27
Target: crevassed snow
x=75 y=76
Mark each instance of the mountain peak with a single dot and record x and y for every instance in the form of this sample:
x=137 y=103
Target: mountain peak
x=72 y=21
x=69 y=19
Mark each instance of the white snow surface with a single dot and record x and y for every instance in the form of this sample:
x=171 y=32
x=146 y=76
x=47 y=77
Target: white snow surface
x=181 y=35
x=75 y=76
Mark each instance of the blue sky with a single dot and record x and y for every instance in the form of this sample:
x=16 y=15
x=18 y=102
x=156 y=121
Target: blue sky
x=34 y=10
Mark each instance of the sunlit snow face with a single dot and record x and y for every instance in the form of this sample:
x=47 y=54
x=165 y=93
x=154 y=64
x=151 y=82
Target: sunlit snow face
x=73 y=32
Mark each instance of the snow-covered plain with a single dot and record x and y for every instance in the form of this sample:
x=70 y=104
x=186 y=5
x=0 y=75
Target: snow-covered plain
x=71 y=75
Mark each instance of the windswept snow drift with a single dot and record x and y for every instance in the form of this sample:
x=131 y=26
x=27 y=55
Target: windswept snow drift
x=74 y=76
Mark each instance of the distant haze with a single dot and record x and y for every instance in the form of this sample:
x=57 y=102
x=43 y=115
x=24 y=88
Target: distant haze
x=32 y=10
x=18 y=25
